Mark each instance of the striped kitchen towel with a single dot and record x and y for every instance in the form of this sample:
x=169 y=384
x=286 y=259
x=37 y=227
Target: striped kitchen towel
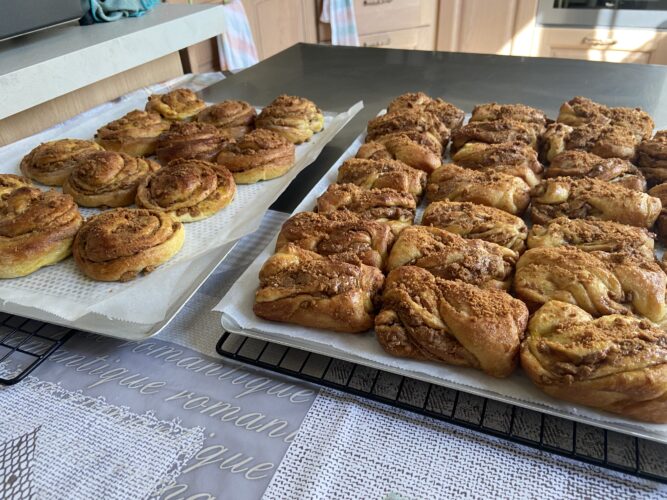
x=340 y=14
x=236 y=46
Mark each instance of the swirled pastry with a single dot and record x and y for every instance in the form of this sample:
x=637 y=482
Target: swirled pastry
x=450 y=116
x=107 y=179
x=419 y=151
x=474 y=221
x=384 y=205
x=652 y=158
x=36 y=230
x=369 y=174
x=425 y=317
x=295 y=118
x=10 y=182
x=534 y=118
x=301 y=287
x=408 y=122
x=233 y=119
x=177 y=105
x=340 y=234
x=616 y=363
x=120 y=244
x=494 y=132
x=136 y=133
x=51 y=162
x=486 y=187
x=598 y=282
x=660 y=192
x=592 y=236
x=189 y=140
x=585 y=198
x=451 y=257
x=606 y=141
x=258 y=156
x=580 y=164
x=188 y=190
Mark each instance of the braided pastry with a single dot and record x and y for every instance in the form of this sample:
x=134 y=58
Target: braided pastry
x=233 y=119
x=51 y=162
x=416 y=150
x=494 y=132
x=534 y=118
x=179 y=104
x=10 y=182
x=393 y=174
x=652 y=158
x=135 y=133
x=450 y=116
x=189 y=140
x=295 y=118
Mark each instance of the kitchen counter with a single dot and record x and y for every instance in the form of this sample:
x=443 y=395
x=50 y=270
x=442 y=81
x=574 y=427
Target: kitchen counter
x=336 y=77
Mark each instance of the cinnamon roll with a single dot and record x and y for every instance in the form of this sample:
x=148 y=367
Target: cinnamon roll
x=393 y=174
x=479 y=155
x=120 y=244
x=420 y=151
x=189 y=140
x=652 y=158
x=107 y=179
x=10 y=182
x=450 y=116
x=409 y=122
x=233 y=119
x=581 y=164
x=36 y=230
x=189 y=190
x=51 y=162
x=534 y=118
x=177 y=105
x=660 y=192
x=258 y=156
x=494 y=132
x=136 y=133
x=295 y=118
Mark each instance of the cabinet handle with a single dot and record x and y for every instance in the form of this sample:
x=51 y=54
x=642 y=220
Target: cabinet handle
x=606 y=42
x=379 y=43
x=370 y=3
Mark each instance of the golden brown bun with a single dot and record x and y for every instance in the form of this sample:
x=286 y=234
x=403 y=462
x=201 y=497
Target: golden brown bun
x=340 y=234
x=420 y=151
x=384 y=205
x=494 y=132
x=135 y=133
x=107 y=179
x=425 y=317
x=450 y=116
x=474 y=221
x=188 y=190
x=301 y=287
x=410 y=122
x=189 y=140
x=51 y=162
x=179 y=104
x=485 y=187
x=233 y=119
x=451 y=257
x=652 y=158
x=534 y=118
x=258 y=156
x=10 y=182
x=295 y=118
x=592 y=198
x=36 y=230
x=369 y=174
x=580 y=164
x=615 y=363
x=592 y=235
x=120 y=244
x=660 y=192
x=598 y=282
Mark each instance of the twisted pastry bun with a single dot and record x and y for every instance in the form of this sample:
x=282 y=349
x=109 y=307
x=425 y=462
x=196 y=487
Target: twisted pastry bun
x=660 y=192
x=36 y=230
x=295 y=118
x=233 y=119
x=258 y=156
x=135 y=133
x=408 y=122
x=189 y=190
x=51 y=162
x=185 y=140
x=10 y=182
x=418 y=151
x=652 y=158
x=177 y=105
x=120 y=244
x=451 y=116
x=107 y=179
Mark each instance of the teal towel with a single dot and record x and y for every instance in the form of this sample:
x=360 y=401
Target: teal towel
x=111 y=10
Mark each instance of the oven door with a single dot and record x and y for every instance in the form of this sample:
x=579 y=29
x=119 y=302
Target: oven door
x=612 y=13
x=23 y=16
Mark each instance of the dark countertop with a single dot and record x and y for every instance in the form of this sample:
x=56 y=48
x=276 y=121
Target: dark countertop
x=337 y=77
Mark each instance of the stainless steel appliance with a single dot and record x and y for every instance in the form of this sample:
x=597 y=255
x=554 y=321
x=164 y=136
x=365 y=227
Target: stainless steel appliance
x=18 y=17
x=613 y=13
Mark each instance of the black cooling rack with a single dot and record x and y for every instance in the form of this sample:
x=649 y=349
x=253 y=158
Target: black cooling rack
x=25 y=344
x=612 y=450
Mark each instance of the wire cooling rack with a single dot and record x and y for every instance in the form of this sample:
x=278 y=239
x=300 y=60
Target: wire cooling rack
x=619 y=452
x=25 y=344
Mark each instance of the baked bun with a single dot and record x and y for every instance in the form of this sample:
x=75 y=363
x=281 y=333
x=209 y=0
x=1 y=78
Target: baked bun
x=420 y=151
x=295 y=118
x=533 y=117
x=369 y=174
x=495 y=132
x=135 y=133
x=615 y=363
x=258 y=156
x=652 y=158
x=188 y=190
x=10 y=182
x=234 y=119
x=409 y=121
x=660 y=192
x=177 y=105
x=36 y=230
x=450 y=116
x=189 y=140
x=120 y=244
x=107 y=179
x=51 y=162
